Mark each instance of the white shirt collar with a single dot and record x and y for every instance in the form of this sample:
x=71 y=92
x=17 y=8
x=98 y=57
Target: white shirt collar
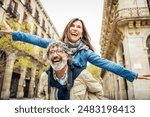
x=63 y=79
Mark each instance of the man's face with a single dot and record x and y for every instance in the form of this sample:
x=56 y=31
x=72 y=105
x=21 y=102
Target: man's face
x=57 y=58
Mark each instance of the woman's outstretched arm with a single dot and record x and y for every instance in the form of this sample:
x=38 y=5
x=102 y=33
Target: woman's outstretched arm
x=25 y=37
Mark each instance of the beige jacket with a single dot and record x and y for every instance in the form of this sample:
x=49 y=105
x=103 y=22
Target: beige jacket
x=85 y=88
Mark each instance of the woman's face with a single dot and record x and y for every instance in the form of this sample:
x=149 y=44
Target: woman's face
x=75 y=31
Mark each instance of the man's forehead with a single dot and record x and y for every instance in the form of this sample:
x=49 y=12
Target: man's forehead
x=56 y=47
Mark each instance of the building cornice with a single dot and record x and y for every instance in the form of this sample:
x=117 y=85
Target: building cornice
x=47 y=16
x=113 y=19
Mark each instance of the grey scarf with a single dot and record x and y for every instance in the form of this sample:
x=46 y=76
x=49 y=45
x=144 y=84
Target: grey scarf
x=74 y=47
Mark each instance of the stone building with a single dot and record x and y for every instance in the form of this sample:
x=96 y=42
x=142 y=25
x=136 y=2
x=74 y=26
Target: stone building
x=125 y=39
x=22 y=81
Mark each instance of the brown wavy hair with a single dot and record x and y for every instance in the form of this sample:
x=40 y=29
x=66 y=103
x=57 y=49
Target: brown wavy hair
x=85 y=35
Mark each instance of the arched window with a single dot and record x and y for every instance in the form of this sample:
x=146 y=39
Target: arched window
x=148 y=46
x=2 y=57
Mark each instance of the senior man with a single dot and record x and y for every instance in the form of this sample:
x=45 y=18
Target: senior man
x=61 y=82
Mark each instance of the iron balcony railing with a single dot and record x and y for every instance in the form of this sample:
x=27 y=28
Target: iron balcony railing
x=28 y=7
x=133 y=12
x=12 y=11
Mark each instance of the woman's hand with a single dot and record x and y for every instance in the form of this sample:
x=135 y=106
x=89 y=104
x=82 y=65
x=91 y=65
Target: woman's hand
x=7 y=31
x=4 y=33
x=144 y=76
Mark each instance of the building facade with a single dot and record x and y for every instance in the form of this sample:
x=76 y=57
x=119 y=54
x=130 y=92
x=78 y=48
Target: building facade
x=18 y=81
x=125 y=39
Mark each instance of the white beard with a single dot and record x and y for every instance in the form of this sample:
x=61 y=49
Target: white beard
x=59 y=66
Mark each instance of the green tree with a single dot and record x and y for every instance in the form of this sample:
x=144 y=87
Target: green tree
x=95 y=71
x=24 y=50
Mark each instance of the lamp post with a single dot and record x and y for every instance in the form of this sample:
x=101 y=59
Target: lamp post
x=34 y=87
x=24 y=83
x=24 y=86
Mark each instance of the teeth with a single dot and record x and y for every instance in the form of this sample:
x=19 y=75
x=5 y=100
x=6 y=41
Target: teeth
x=56 y=60
x=74 y=34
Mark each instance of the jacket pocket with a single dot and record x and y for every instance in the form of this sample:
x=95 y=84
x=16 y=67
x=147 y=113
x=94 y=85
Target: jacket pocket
x=79 y=92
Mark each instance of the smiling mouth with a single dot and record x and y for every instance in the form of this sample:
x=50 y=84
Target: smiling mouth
x=56 y=61
x=74 y=34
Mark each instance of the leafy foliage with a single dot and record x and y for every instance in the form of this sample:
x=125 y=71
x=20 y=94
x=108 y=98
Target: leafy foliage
x=95 y=71
x=23 y=61
x=7 y=44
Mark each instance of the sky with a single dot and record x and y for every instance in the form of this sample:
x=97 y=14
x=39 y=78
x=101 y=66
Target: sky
x=90 y=11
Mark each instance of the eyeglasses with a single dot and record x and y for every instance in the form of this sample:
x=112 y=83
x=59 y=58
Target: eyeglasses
x=57 y=52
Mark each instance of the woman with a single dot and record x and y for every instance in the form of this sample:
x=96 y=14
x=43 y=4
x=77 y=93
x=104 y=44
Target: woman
x=76 y=37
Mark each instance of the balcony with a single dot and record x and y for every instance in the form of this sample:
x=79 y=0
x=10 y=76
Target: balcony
x=48 y=34
x=138 y=12
x=28 y=7
x=44 y=28
x=37 y=18
x=11 y=12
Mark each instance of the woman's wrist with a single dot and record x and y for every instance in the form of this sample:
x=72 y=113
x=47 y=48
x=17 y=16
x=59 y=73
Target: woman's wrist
x=8 y=32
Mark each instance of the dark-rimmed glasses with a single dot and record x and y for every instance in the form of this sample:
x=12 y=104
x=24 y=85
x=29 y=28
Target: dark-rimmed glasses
x=55 y=51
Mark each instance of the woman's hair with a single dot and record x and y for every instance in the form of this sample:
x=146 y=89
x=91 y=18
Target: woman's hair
x=85 y=35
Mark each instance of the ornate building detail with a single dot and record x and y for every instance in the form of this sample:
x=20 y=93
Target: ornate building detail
x=20 y=62
x=131 y=27
x=128 y=24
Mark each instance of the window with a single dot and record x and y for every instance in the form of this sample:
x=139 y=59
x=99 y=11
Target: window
x=42 y=35
x=24 y=17
x=2 y=57
x=148 y=46
x=43 y=25
x=148 y=4
x=28 y=1
x=14 y=6
x=28 y=6
x=35 y=30
x=12 y=9
x=36 y=16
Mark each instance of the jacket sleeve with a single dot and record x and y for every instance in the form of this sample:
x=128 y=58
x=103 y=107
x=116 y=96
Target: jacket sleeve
x=96 y=60
x=43 y=86
x=93 y=85
x=32 y=39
